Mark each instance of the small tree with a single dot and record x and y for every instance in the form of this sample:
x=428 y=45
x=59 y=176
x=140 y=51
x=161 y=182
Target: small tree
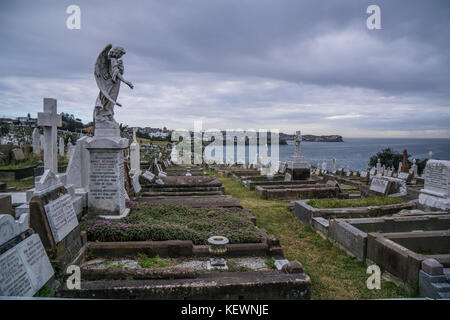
x=388 y=157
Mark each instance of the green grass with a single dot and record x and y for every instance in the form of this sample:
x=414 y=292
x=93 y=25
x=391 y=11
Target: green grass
x=345 y=203
x=31 y=161
x=154 y=262
x=334 y=274
x=21 y=184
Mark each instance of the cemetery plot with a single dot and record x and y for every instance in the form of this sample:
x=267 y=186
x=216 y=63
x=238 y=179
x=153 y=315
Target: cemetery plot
x=175 y=222
x=222 y=201
x=296 y=191
x=183 y=186
x=402 y=253
x=307 y=210
x=351 y=234
x=252 y=184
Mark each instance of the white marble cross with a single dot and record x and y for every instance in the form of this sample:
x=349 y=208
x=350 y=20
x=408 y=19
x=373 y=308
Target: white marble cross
x=50 y=120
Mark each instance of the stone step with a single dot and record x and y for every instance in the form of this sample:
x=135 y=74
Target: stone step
x=441 y=287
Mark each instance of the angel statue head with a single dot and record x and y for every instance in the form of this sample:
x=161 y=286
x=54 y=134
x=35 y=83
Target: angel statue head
x=116 y=52
x=108 y=75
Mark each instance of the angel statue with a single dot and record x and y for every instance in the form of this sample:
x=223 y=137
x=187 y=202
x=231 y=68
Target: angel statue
x=108 y=75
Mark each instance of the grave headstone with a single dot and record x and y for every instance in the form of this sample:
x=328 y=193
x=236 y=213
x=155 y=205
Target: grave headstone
x=414 y=169
x=17 y=154
x=379 y=185
x=61 y=146
x=406 y=176
x=287 y=177
x=436 y=191
x=149 y=176
x=106 y=174
x=324 y=165
x=50 y=120
x=297 y=165
x=53 y=217
x=333 y=165
x=24 y=265
x=135 y=157
x=36 y=141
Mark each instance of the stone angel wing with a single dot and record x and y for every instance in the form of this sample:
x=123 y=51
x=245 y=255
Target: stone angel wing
x=102 y=75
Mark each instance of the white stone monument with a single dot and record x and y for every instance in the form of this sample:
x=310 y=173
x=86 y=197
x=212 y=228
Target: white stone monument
x=436 y=191
x=61 y=146
x=333 y=165
x=135 y=156
x=414 y=169
x=36 y=141
x=379 y=168
x=50 y=120
x=300 y=168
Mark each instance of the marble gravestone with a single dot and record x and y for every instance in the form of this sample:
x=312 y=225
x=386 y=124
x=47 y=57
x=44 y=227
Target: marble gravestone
x=107 y=192
x=50 y=120
x=380 y=186
x=61 y=146
x=53 y=217
x=436 y=191
x=24 y=265
x=107 y=175
x=135 y=161
x=36 y=141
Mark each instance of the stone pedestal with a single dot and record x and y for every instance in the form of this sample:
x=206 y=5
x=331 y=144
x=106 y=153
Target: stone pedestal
x=106 y=175
x=299 y=168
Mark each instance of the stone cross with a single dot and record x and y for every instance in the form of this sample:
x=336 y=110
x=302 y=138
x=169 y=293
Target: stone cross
x=36 y=141
x=50 y=120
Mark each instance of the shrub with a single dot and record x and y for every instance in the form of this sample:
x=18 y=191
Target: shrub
x=175 y=222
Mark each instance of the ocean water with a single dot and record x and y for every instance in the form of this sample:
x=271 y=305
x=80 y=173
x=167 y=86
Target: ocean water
x=356 y=152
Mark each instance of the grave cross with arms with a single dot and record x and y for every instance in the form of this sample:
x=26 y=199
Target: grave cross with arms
x=50 y=120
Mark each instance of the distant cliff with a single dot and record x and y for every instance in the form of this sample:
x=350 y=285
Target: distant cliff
x=311 y=138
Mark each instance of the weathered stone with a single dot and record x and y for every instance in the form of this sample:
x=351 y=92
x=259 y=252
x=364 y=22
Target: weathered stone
x=432 y=267
x=50 y=120
x=17 y=154
x=293 y=267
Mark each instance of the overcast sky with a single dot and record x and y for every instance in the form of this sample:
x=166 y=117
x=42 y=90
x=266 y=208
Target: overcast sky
x=278 y=64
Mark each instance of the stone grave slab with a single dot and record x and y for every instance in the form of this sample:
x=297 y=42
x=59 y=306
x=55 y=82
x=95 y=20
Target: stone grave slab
x=53 y=217
x=24 y=268
x=436 y=191
x=379 y=185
